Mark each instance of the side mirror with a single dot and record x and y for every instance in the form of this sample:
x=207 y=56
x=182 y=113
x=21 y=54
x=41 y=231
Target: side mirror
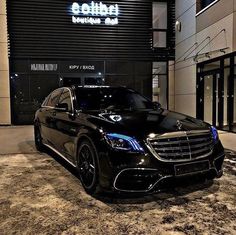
x=62 y=107
x=156 y=105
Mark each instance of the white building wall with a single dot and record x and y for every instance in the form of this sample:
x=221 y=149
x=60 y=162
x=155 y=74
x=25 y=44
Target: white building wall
x=185 y=67
x=200 y=39
x=171 y=85
x=5 y=117
x=221 y=37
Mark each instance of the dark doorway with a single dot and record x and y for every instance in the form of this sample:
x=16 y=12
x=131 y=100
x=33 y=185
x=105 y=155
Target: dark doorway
x=82 y=80
x=27 y=94
x=70 y=81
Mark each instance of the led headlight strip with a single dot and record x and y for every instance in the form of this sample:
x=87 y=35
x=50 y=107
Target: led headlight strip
x=214 y=133
x=133 y=143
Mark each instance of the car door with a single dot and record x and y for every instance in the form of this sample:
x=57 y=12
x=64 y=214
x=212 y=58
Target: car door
x=50 y=113
x=47 y=110
x=65 y=126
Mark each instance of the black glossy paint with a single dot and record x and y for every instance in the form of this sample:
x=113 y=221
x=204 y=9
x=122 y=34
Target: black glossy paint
x=64 y=131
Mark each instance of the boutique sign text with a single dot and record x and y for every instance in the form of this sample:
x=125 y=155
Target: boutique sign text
x=95 y=13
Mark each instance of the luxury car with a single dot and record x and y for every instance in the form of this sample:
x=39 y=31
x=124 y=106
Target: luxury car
x=121 y=141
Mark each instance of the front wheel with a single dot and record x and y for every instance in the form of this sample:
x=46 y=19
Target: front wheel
x=87 y=166
x=38 y=139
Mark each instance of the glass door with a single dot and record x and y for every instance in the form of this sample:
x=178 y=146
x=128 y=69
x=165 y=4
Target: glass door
x=70 y=80
x=210 y=98
x=216 y=93
x=232 y=104
x=82 y=79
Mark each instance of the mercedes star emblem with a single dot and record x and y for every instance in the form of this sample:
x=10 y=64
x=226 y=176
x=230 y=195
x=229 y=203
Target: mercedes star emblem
x=179 y=124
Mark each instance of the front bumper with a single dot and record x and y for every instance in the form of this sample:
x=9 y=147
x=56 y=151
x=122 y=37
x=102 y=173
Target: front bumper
x=148 y=179
x=144 y=173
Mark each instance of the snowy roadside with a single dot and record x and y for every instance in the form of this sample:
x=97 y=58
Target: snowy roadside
x=38 y=195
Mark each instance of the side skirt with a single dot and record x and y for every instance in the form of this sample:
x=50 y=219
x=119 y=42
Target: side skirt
x=57 y=152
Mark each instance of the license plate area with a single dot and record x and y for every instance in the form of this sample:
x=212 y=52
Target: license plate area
x=191 y=168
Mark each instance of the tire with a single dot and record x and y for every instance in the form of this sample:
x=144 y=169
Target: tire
x=38 y=139
x=87 y=166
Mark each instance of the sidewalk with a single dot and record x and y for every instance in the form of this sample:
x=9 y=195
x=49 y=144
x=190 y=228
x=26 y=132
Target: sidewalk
x=16 y=139
x=20 y=139
x=228 y=140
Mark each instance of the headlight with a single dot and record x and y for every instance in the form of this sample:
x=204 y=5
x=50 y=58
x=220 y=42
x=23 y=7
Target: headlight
x=214 y=133
x=123 y=142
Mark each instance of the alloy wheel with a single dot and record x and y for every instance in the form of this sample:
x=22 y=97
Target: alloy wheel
x=86 y=166
x=38 y=139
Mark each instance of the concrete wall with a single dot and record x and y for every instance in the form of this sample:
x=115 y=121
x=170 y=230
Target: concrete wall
x=171 y=87
x=185 y=69
x=212 y=30
x=234 y=26
x=5 y=117
x=221 y=34
x=214 y=14
x=217 y=22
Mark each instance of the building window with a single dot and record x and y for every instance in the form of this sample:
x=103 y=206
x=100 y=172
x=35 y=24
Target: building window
x=204 y=4
x=159 y=39
x=159 y=24
x=159 y=83
x=216 y=92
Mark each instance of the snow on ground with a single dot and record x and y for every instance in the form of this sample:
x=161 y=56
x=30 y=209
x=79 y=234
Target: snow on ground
x=40 y=195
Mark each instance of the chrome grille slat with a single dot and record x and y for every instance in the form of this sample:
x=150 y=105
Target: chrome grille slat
x=174 y=154
x=172 y=148
x=181 y=146
x=184 y=153
x=180 y=141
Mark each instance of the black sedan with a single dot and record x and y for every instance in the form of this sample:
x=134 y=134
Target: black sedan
x=121 y=141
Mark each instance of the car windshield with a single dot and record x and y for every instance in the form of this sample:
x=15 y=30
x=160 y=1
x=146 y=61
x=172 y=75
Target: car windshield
x=111 y=99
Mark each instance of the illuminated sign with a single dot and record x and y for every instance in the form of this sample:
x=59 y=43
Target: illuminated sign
x=82 y=67
x=95 y=13
x=43 y=67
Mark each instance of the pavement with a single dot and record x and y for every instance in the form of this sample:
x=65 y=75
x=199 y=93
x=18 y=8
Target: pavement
x=17 y=139
x=228 y=140
x=20 y=139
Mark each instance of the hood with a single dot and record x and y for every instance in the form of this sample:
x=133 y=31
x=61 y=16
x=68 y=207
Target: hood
x=143 y=123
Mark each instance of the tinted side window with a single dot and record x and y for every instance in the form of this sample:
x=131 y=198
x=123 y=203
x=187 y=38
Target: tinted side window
x=66 y=98
x=53 y=100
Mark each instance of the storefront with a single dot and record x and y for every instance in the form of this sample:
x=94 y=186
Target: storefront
x=60 y=43
x=216 y=92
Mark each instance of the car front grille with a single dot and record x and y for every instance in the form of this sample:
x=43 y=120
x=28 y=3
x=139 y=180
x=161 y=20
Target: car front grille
x=181 y=146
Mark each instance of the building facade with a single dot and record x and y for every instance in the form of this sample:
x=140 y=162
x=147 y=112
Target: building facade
x=5 y=106
x=205 y=81
x=45 y=45
x=59 y=43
